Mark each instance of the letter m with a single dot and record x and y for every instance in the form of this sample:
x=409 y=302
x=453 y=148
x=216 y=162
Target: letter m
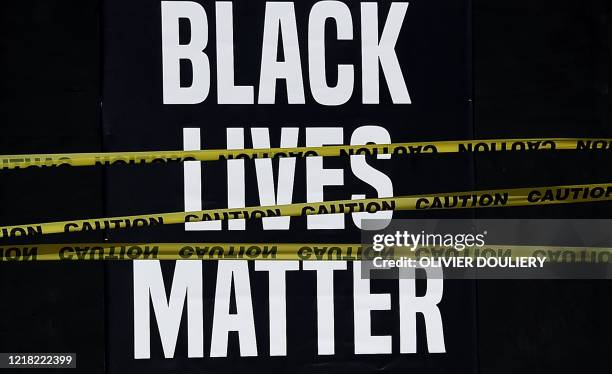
x=149 y=285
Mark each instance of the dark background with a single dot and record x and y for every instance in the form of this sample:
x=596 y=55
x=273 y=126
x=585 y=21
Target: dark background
x=540 y=69
x=434 y=51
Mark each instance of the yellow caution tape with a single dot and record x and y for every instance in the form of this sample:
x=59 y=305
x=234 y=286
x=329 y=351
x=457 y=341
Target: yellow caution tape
x=450 y=200
x=414 y=148
x=285 y=251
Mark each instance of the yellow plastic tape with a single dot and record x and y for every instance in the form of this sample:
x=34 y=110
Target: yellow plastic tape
x=284 y=251
x=415 y=148
x=450 y=200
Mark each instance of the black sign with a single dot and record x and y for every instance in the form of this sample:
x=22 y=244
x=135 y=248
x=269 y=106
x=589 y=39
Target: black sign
x=254 y=74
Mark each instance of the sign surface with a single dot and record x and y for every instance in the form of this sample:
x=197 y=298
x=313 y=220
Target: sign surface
x=255 y=74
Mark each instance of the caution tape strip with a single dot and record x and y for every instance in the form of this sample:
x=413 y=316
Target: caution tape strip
x=414 y=148
x=285 y=251
x=451 y=200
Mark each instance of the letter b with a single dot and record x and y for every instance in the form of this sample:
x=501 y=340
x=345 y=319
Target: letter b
x=173 y=52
